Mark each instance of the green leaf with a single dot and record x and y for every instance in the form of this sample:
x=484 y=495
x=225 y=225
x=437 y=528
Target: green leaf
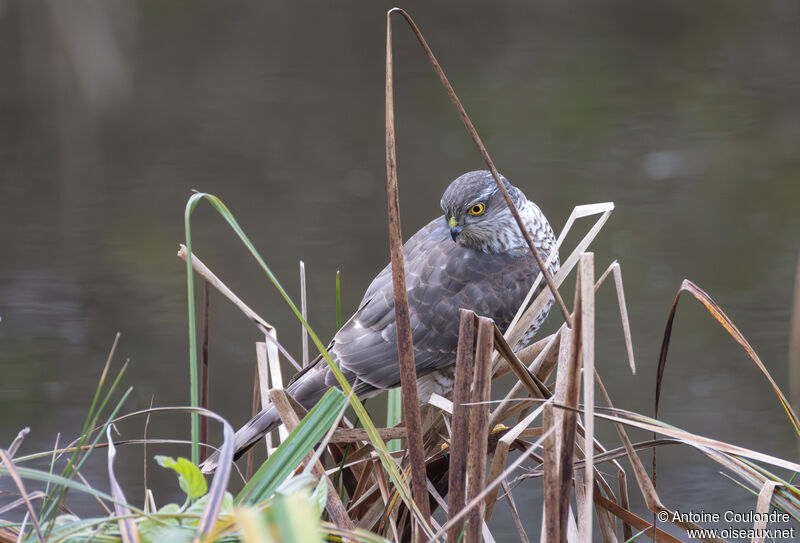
x=294 y=449
x=394 y=414
x=195 y=511
x=296 y=518
x=319 y=498
x=191 y=480
x=167 y=534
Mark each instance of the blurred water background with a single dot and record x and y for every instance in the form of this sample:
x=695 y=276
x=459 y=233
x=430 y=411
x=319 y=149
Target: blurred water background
x=685 y=114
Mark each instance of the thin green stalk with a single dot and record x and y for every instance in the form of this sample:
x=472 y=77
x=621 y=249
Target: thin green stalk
x=74 y=464
x=193 y=385
x=636 y=536
x=50 y=508
x=394 y=413
x=380 y=447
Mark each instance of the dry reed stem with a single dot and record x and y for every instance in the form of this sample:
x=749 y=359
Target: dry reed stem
x=460 y=423
x=622 y=484
x=569 y=422
x=606 y=521
x=304 y=312
x=479 y=425
x=785 y=499
x=347 y=435
x=762 y=507
x=525 y=317
x=35 y=495
x=14 y=447
x=477 y=500
x=535 y=387
x=260 y=393
x=541 y=366
x=202 y=270
x=128 y=531
x=275 y=372
x=405 y=346
x=720 y=316
x=523 y=537
x=262 y=374
x=586 y=278
x=441 y=403
x=386 y=496
x=501 y=454
x=551 y=527
x=254 y=403
x=12 y=471
x=333 y=504
x=364 y=483
x=636 y=521
x=698 y=441
x=642 y=478
x=462 y=113
x=623 y=313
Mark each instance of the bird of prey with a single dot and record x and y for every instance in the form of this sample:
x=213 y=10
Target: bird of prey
x=473 y=256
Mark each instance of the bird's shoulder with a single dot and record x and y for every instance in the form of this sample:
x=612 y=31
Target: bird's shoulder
x=441 y=278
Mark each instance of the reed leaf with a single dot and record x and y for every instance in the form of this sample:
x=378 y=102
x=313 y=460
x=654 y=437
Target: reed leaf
x=286 y=458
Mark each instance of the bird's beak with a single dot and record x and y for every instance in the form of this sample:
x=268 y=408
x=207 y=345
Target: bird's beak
x=455 y=228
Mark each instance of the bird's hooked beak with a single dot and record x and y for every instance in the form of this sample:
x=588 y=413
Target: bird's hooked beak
x=455 y=228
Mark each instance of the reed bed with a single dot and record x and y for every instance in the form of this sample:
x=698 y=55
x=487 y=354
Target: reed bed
x=451 y=464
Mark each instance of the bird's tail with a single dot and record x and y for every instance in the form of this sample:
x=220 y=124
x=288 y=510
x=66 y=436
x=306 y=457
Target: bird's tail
x=307 y=388
x=247 y=436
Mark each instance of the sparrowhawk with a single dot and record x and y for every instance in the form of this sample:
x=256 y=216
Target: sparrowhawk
x=473 y=257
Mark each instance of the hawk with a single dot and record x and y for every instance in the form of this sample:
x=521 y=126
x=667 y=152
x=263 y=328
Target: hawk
x=472 y=257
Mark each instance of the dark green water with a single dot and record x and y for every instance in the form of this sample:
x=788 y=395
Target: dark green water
x=686 y=115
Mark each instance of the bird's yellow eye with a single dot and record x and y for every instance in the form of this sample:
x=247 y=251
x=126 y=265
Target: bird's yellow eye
x=477 y=209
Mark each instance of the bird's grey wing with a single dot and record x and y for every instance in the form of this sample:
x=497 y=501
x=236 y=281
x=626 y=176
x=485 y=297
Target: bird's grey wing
x=441 y=278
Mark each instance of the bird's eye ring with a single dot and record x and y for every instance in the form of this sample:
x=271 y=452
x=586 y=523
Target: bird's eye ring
x=477 y=209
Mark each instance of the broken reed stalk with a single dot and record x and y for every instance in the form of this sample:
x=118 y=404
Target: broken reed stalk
x=202 y=270
x=479 y=425
x=459 y=435
x=462 y=113
x=204 y=372
x=405 y=346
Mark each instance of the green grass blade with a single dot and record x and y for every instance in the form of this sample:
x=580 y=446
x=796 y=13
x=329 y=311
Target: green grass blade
x=193 y=384
x=394 y=413
x=49 y=508
x=388 y=462
x=294 y=449
x=33 y=474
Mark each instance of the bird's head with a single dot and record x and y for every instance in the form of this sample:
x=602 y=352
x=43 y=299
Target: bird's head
x=477 y=214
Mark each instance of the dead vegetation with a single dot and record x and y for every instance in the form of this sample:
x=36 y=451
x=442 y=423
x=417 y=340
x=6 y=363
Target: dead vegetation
x=462 y=454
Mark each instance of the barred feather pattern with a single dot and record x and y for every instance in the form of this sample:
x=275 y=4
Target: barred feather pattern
x=477 y=261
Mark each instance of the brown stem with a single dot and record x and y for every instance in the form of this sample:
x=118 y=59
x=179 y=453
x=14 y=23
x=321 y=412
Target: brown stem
x=405 y=347
x=487 y=159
